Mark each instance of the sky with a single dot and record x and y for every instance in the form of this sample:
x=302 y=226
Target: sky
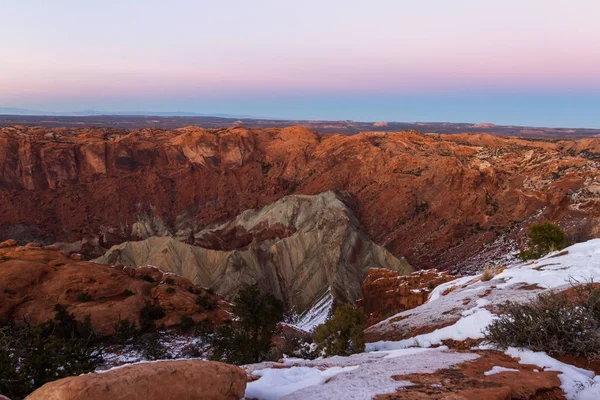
x=524 y=62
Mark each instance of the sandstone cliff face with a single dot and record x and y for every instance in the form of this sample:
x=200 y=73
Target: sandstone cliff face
x=437 y=200
x=34 y=279
x=298 y=249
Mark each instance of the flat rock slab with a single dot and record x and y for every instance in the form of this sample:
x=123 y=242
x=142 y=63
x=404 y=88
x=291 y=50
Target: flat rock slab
x=159 y=380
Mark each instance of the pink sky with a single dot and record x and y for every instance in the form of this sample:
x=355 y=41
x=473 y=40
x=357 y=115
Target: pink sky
x=95 y=54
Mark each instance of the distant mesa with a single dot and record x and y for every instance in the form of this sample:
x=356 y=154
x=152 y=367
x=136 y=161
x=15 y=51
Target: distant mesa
x=380 y=123
x=484 y=125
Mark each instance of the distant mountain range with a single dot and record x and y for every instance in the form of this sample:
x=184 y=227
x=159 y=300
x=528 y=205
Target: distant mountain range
x=178 y=119
x=84 y=113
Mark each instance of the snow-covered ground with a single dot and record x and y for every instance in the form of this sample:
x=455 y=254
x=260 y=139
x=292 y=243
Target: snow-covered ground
x=466 y=297
x=357 y=377
x=462 y=309
x=317 y=314
x=176 y=344
x=463 y=306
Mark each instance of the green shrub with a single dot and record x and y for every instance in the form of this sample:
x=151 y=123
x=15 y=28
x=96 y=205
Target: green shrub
x=342 y=334
x=204 y=329
x=148 y=314
x=170 y=290
x=128 y=293
x=151 y=347
x=84 y=297
x=186 y=322
x=543 y=239
x=124 y=331
x=32 y=356
x=250 y=338
x=527 y=255
x=553 y=322
x=170 y=281
x=206 y=302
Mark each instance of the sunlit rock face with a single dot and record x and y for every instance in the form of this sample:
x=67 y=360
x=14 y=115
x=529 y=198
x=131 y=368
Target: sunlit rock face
x=440 y=201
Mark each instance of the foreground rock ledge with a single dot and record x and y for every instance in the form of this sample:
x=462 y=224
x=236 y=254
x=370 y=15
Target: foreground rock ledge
x=160 y=380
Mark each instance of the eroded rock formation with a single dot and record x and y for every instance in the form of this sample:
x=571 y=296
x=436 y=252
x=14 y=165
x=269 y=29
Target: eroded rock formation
x=34 y=279
x=386 y=293
x=298 y=248
x=437 y=200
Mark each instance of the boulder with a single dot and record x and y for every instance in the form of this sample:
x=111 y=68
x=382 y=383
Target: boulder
x=8 y=243
x=33 y=280
x=161 y=380
x=386 y=293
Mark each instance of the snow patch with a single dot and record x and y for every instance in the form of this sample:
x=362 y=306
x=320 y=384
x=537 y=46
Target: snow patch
x=370 y=373
x=470 y=326
x=577 y=383
x=276 y=383
x=317 y=314
x=580 y=262
x=497 y=370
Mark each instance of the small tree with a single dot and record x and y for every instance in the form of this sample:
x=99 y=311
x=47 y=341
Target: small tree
x=249 y=339
x=151 y=347
x=342 y=334
x=543 y=239
x=148 y=314
x=32 y=356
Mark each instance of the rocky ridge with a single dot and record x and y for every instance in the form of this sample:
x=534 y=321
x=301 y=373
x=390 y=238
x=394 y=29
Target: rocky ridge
x=33 y=279
x=299 y=248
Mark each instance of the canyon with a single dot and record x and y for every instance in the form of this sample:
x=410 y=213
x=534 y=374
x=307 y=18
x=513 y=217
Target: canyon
x=105 y=221
x=443 y=201
x=300 y=249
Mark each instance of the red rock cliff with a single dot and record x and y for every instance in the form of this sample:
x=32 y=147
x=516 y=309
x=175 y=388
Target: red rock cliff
x=435 y=199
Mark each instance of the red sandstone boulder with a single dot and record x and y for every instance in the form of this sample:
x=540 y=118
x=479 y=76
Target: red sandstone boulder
x=33 y=280
x=8 y=243
x=162 y=380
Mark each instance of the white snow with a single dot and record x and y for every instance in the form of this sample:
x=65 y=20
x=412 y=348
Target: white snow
x=471 y=325
x=317 y=314
x=142 y=362
x=276 y=383
x=436 y=293
x=372 y=373
x=577 y=383
x=497 y=370
x=410 y=351
x=580 y=262
x=463 y=305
